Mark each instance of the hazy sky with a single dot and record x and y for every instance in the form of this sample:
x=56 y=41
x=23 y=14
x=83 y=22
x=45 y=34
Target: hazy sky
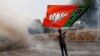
x=34 y=8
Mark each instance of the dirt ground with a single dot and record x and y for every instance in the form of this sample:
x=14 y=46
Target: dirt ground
x=46 y=47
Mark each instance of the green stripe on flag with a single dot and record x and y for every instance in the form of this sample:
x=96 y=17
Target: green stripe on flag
x=75 y=15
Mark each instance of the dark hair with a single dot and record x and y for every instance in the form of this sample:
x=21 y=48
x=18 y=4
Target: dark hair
x=60 y=31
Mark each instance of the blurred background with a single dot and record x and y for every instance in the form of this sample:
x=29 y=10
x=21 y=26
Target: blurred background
x=22 y=33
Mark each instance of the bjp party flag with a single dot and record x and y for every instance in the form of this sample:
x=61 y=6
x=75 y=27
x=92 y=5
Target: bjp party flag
x=63 y=15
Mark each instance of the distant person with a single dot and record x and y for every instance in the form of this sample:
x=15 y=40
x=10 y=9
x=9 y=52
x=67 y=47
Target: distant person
x=62 y=42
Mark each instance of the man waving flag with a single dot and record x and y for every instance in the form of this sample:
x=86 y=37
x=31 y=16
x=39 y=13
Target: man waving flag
x=63 y=15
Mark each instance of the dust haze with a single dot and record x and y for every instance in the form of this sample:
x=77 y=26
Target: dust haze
x=13 y=27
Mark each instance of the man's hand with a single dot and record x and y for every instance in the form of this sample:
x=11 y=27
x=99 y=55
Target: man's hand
x=64 y=34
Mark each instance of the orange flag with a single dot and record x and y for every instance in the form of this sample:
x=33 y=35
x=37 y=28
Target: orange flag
x=62 y=15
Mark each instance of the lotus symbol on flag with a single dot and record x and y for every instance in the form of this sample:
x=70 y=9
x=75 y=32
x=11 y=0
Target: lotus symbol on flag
x=55 y=17
x=63 y=15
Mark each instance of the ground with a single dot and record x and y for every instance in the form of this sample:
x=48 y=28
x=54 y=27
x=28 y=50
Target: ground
x=45 y=47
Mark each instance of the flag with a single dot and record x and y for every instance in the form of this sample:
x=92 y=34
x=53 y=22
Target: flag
x=63 y=15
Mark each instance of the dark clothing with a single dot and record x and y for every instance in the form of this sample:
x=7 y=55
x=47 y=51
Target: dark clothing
x=62 y=44
x=61 y=39
x=63 y=48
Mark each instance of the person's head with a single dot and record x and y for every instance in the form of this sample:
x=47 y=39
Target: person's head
x=60 y=31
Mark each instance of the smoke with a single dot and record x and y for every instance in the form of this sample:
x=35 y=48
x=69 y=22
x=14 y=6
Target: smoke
x=36 y=27
x=13 y=27
x=91 y=16
x=14 y=23
x=98 y=8
x=83 y=2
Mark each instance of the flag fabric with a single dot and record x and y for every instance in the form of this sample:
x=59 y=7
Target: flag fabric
x=63 y=15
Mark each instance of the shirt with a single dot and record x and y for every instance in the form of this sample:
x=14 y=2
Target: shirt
x=61 y=39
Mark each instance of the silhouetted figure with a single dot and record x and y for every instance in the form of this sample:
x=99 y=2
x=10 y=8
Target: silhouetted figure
x=62 y=42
